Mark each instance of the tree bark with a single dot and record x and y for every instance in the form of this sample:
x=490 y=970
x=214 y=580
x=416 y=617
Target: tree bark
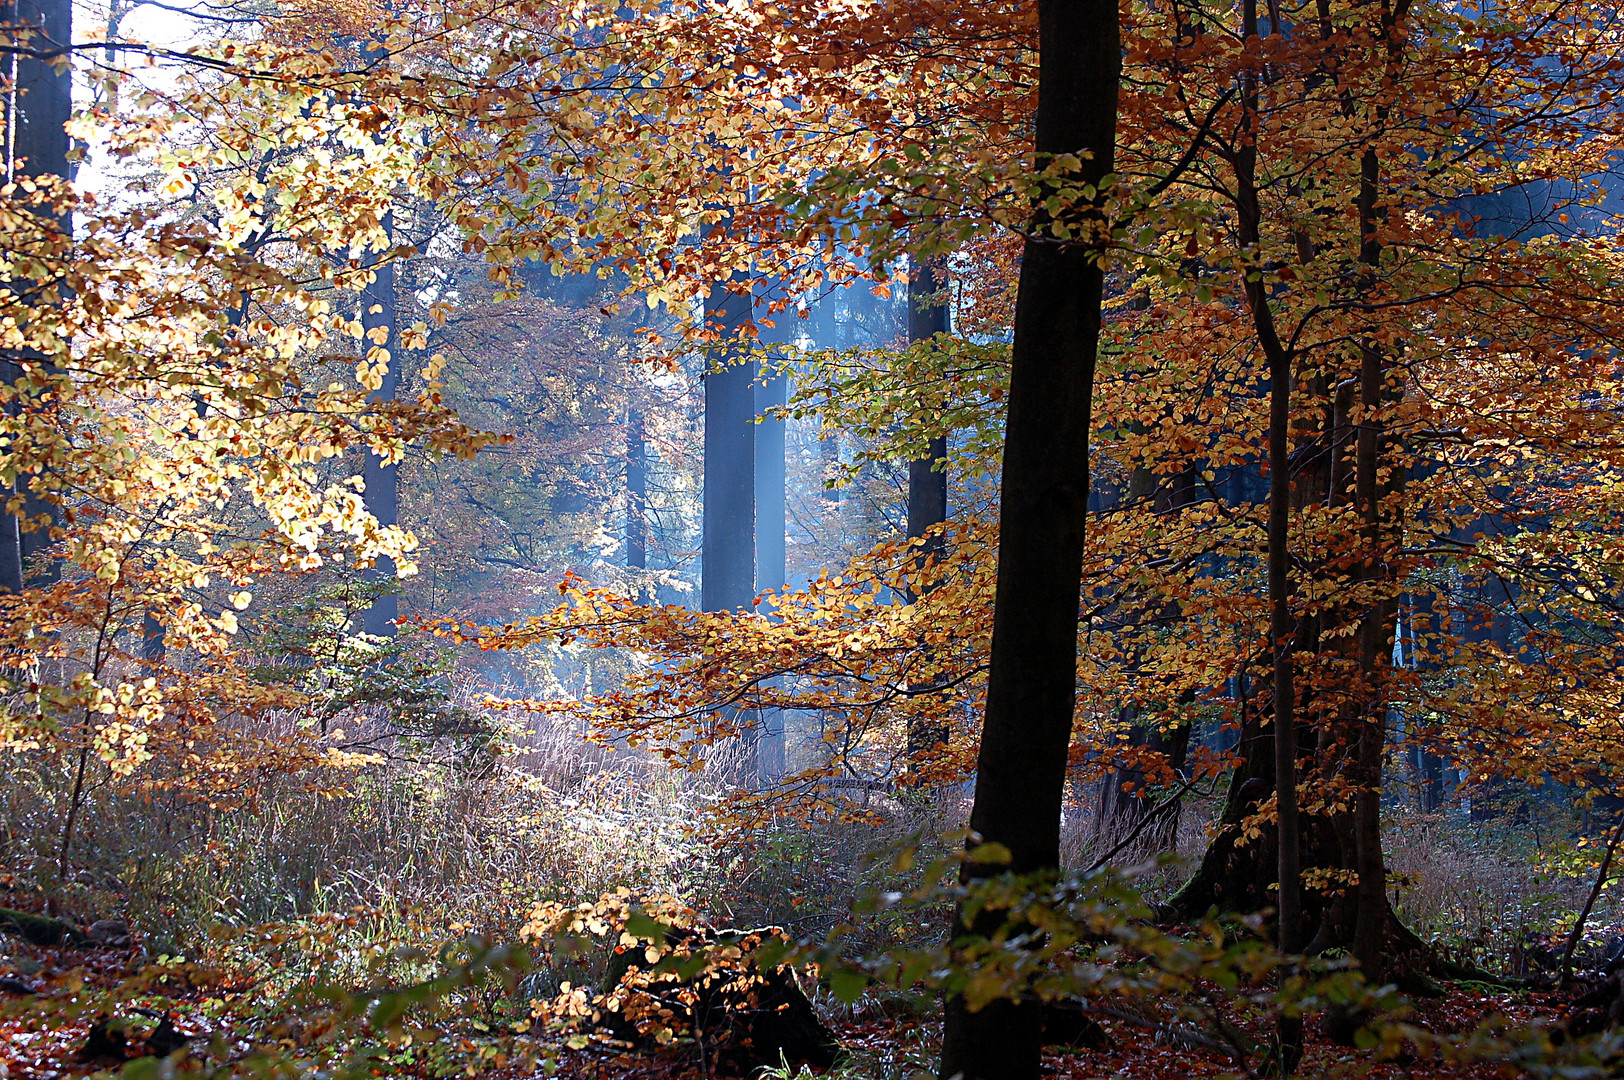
x=772 y=569
x=381 y=493
x=636 y=490
x=39 y=107
x=928 y=315
x=1282 y=623
x=728 y=543
x=728 y=537
x=1122 y=811
x=1031 y=694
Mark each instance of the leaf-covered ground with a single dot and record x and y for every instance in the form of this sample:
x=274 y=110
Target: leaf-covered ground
x=53 y=996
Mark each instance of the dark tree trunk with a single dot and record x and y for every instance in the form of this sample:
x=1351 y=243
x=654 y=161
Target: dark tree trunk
x=1127 y=797
x=39 y=147
x=636 y=490
x=1282 y=624
x=1031 y=694
x=928 y=315
x=1283 y=627
x=1375 y=631
x=382 y=491
x=927 y=476
x=1122 y=810
x=927 y=494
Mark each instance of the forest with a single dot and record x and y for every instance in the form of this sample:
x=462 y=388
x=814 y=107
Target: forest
x=868 y=539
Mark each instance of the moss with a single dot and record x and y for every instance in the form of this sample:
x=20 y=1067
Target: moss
x=40 y=929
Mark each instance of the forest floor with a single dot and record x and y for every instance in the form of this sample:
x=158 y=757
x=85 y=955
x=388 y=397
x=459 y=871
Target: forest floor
x=50 y=997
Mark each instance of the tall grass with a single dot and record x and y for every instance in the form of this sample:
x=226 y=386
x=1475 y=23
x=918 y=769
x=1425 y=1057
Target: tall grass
x=438 y=844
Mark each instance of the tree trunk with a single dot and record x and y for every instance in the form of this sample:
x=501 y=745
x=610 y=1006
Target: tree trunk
x=1282 y=623
x=772 y=568
x=636 y=490
x=41 y=106
x=928 y=315
x=152 y=639
x=728 y=544
x=1031 y=693
x=381 y=492
x=1342 y=701
x=927 y=476
x=728 y=538
x=1375 y=628
x=1122 y=811
x=1126 y=798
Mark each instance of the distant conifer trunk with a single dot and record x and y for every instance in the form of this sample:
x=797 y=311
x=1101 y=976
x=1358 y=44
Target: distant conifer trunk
x=382 y=492
x=728 y=540
x=928 y=315
x=36 y=111
x=636 y=490
x=771 y=557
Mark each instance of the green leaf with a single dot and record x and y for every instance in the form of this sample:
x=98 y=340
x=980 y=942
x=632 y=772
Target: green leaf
x=990 y=853
x=847 y=986
x=643 y=925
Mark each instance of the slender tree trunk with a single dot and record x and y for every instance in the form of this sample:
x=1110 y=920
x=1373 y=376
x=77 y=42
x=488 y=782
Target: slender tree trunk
x=1376 y=632
x=1283 y=629
x=1031 y=694
x=636 y=490
x=1565 y=969
x=152 y=639
x=382 y=491
x=927 y=476
x=771 y=558
x=1282 y=624
x=1370 y=921
x=75 y=798
x=928 y=315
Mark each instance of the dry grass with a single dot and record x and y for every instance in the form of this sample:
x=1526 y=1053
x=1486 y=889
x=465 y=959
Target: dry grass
x=435 y=841
x=1487 y=892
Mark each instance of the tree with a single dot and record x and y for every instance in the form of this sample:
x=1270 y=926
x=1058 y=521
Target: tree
x=1031 y=684
x=929 y=314
x=770 y=500
x=380 y=479
x=40 y=104
x=728 y=545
